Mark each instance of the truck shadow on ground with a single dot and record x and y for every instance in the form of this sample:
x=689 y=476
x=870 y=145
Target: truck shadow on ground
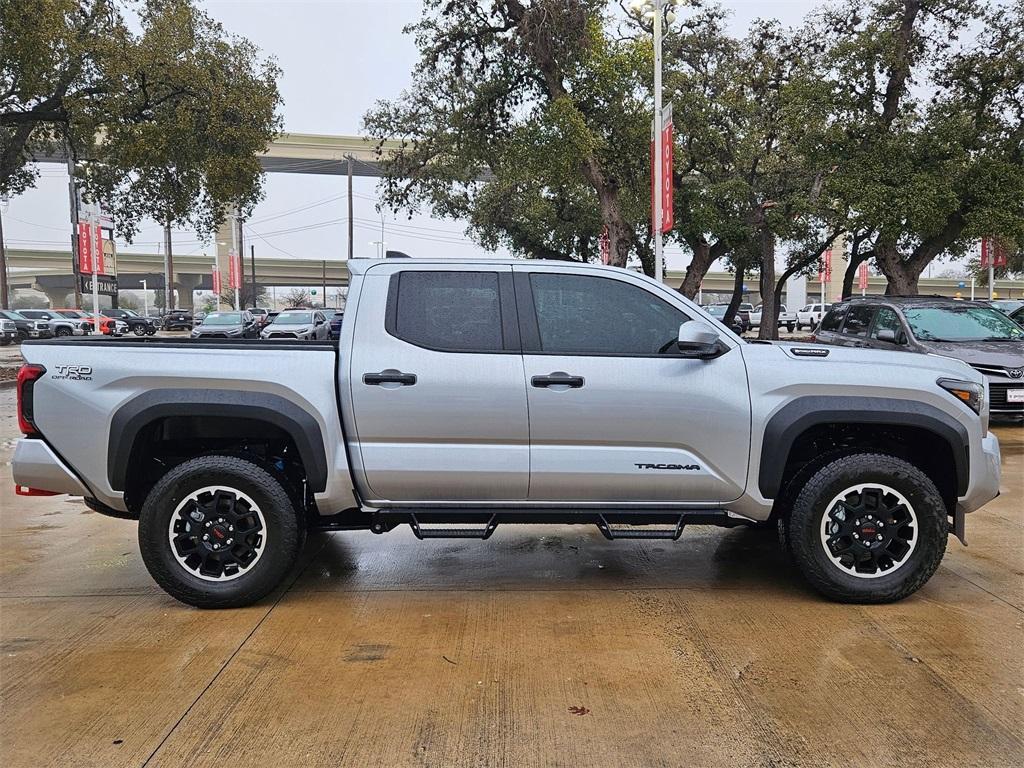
x=548 y=558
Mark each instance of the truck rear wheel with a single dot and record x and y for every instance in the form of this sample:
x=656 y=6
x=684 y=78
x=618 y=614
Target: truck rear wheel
x=219 y=532
x=867 y=528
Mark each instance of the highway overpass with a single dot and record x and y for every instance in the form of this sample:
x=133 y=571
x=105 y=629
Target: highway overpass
x=50 y=272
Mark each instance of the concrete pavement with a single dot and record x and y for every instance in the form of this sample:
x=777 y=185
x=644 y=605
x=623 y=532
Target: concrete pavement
x=544 y=646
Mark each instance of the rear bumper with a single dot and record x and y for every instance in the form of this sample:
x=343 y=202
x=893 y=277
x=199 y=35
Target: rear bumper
x=987 y=474
x=36 y=466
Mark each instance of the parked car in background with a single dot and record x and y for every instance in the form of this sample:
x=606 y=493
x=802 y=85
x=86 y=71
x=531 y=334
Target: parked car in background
x=177 y=320
x=109 y=326
x=335 y=322
x=304 y=324
x=82 y=317
x=810 y=316
x=983 y=337
x=137 y=324
x=787 y=319
x=8 y=332
x=227 y=325
x=198 y=317
x=717 y=311
x=59 y=324
x=27 y=328
x=1018 y=317
x=1006 y=306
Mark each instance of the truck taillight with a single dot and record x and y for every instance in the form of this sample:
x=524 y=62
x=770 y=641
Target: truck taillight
x=26 y=380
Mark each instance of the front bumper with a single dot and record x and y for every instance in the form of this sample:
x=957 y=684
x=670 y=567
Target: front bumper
x=9 y=336
x=985 y=481
x=36 y=466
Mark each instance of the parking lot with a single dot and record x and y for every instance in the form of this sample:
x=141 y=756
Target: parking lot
x=540 y=646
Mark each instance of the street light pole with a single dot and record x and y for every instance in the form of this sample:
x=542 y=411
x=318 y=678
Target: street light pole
x=145 y=298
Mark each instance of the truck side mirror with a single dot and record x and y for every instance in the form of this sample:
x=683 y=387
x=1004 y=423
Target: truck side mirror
x=699 y=340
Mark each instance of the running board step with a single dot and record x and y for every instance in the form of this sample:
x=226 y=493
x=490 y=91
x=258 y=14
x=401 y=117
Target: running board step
x=617 y=530
x=421 y=531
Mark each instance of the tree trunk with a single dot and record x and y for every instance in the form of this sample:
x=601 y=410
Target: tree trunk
x=737 y=297
x=704 y=255
x=769 y=328
x=902 y=276
x=168 y=270
x=851 y=273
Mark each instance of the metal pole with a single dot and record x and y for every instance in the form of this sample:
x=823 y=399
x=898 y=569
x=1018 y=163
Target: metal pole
x=168 y=270
x=241 y=259
x=323 y=279
x=972 y=288
x=96 y=262
x=75 y=260
x=5 y=290
x=991 y=278
x=145 y=298
x=252 y=268
x=657 y=143
x=234 y=257
x=350 y=217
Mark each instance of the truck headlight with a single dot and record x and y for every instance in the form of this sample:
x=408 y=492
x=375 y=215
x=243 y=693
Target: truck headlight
x=969 y=393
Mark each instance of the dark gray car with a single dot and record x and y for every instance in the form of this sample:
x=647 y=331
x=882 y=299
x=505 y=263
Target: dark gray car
x=227 y=325
x=974 y=332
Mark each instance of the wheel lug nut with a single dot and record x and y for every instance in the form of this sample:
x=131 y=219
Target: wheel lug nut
x=216 y=546
x=856 y=536
x=209 y=524
x=231 y=527
x=206 y=537
x=229 y=542
x=879 y=537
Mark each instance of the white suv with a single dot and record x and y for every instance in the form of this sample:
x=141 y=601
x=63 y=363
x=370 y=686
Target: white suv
x=811 y=315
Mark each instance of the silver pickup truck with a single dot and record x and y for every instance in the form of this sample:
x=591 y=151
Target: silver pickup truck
x=462 y=395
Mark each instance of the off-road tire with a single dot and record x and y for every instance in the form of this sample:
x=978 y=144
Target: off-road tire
x=801 y=528
x=62 y=330
x=284 y=529
x=139 y=330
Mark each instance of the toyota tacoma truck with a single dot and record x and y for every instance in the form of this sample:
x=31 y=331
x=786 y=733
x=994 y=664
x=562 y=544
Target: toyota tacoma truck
x=463 y=395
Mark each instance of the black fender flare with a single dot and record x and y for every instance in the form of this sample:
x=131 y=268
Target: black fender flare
x=131 y=417
x=790 y=421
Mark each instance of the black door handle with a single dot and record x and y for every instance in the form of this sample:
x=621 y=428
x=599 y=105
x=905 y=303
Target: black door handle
x=390 y=377
x=556 y=379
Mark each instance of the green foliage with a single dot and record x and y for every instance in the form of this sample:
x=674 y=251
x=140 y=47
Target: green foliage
x=168 y=120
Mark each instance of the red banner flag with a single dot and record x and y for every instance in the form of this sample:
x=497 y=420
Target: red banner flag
x=100 y=267
x=84 y=248
x=862 y=275
x=667 y=153
x=233 y=281
x=216 y=279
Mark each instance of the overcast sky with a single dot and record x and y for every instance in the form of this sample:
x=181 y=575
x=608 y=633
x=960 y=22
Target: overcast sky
x=338 y=57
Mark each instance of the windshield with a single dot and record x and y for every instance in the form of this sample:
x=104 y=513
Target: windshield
x=69 y=313
x=715 y=310
x=11 y=315
x=131 y=313
x=223 y=318
x=294 y=318
x=962 y=324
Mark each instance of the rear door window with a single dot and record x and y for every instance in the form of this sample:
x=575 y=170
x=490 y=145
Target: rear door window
x=858 y=320
x=446 y=311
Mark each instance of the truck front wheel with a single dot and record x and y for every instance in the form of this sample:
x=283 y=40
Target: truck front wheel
x=867 y=528
x=219 y=532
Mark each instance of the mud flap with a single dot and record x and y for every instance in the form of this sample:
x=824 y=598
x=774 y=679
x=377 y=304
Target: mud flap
x=960 y=525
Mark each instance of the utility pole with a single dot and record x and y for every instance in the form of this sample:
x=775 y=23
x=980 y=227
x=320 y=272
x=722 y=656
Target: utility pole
x=241 y=258
x=145 y=298
x=168 y=270
x=350 y=218
x=235 y=261
x=75 y=260
x=5 y=289
x=323 y=279
x=252 y=267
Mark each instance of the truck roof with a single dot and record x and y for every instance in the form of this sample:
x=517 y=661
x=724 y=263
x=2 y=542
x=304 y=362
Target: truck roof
x=359 y=265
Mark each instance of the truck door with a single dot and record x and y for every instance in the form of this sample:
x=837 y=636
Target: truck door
x=615 y=413
x=437 y=385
